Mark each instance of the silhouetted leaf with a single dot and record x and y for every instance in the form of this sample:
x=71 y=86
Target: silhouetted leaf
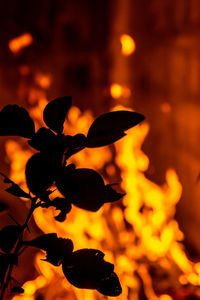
x=17 y=289
x=110 y=286
x=77 y=143
x=14 y=189
x=55 y=112
x=104 y=138
x=56 y=248
x=115 y=120
x=83 y=187
x=62 y=204
x=41 y=139
x=110 y=127
x=46 y=141
x=43 y=242
x=87 y=268
x=9 y=236
x=67 y=170
x=5 y=260
x=15 y=120
x=44 y=197
x=41 y=170
x=111 y=194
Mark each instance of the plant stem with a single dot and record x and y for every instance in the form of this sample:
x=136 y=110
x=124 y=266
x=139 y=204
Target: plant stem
x=17 y=249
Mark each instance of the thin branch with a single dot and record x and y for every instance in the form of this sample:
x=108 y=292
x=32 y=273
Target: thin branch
x=12 y=218
x=17 y=249
x=15 y=280
x=19 y=253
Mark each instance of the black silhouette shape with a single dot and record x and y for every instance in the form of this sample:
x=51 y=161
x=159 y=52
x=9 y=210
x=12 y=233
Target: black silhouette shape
x=43 y=140
x=41 y=171
x=14 y=189
x=17 y=289
x=15 y=120
x=9 y=236
x=3 y=206
x=48 y=169
x=87 y=269
x=110 y=127
x=56 y=248
x=5 y=261
x=110 y=286
x=85 y=188
x=62 y=204
x=55 y=112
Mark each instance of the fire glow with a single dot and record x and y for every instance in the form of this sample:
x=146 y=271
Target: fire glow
x=128 y=44
x=117 y=91
x=139 y=235
x=18 y=43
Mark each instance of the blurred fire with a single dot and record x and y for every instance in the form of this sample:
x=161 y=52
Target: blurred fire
x=128 y=44
x=18 y=43
x=117 y=91
x=139 y=235
x=43 y=80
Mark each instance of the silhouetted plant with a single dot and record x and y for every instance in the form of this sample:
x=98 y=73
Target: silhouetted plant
x=85 y=188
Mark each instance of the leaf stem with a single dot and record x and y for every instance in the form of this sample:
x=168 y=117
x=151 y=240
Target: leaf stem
x=17 y=249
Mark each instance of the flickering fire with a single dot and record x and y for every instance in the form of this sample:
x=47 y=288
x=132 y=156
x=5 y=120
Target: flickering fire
x=128 y=44
x=142 y=239
x=18 y=43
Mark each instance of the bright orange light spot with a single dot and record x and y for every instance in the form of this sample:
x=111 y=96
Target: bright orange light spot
x=124 y=263
x=43 y=80
x=30 y=288
x=117 y=91
x=128 y=44
x=183 y=280
x=20 y=42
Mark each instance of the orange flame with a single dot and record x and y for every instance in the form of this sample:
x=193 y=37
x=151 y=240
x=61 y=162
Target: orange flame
x=18 y=43
x=152 y=240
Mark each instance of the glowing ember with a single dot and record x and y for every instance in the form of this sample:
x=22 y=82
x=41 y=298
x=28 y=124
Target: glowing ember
x=43 y=80
x=142 y=239
x=128 y=44
x=20 y=42
x=117 y=91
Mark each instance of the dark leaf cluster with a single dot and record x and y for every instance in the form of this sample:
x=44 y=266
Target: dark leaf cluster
x=5 y=261
x=84 y=268
x=48 y=169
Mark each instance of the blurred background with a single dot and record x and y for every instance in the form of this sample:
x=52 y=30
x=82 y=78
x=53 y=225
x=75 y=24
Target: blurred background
x=141 y=54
